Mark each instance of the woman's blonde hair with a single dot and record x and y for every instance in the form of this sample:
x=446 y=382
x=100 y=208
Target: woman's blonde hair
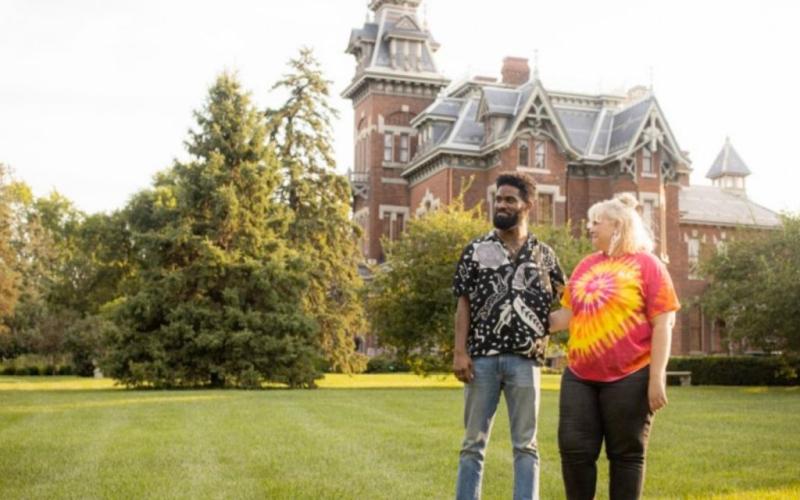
x=631 y=235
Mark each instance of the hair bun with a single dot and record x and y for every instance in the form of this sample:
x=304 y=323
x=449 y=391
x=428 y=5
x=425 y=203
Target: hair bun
x=627 y=200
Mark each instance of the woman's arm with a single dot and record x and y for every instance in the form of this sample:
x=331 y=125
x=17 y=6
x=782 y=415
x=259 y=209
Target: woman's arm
x=559 y=320
x=659 y=356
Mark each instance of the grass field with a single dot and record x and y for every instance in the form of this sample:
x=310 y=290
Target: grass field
x=369 y=436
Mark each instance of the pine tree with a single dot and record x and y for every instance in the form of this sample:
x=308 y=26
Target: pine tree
x=319 y=202
x=218 y=293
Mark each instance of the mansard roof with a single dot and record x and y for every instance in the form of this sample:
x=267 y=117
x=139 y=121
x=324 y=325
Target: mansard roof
x=378 y=34
x=598 y=128
x=716 y=206
x=728 y=162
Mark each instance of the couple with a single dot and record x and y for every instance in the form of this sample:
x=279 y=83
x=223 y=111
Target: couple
x=619 y=306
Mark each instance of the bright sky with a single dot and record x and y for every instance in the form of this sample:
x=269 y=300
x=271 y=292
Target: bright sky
x=96 y=96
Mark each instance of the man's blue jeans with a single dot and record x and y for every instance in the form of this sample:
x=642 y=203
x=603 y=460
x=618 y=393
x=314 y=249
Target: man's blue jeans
x=518 y=379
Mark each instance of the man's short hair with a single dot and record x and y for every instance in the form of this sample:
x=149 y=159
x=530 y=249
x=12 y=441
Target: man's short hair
x=519 y=180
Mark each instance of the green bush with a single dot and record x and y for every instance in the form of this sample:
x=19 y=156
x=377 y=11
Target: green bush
x=31 y=370
x=65 y=370
x=739 y=370
x=9 y=370
x=49 y=370
x=386 y=363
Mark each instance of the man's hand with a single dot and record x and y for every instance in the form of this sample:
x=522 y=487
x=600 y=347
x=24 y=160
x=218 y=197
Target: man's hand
x=656 y=394
x=462 y=367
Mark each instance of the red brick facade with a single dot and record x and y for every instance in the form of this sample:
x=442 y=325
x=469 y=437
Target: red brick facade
x=388 y=192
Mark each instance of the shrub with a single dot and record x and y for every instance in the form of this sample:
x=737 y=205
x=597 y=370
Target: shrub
x=9 y=370
x=31 y=370
x=65 y=370
x=49 y=370
x=386 y=363
x=739 y=370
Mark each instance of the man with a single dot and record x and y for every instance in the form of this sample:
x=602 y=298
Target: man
x=505 y=282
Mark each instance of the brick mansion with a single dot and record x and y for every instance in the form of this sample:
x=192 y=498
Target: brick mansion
x=419 y=138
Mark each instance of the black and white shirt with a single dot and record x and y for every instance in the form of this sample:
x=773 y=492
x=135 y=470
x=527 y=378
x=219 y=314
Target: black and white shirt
x=509 y=299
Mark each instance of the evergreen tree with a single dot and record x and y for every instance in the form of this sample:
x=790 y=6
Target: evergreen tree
x=318 y=200
x=215 y=301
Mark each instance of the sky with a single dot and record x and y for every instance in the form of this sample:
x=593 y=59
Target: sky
x=96 y=96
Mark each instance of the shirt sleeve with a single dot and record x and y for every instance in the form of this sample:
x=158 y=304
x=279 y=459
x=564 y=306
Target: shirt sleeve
x=660 y=296
x=463 y=280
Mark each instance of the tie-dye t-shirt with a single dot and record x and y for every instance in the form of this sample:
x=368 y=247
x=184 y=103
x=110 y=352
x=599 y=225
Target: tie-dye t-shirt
x=613 y=301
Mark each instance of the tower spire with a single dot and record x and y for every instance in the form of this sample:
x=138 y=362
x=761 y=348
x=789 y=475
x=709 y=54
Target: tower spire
x=536 y=64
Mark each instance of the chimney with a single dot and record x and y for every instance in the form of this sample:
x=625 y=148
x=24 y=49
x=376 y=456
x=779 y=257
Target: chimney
x=516 y=71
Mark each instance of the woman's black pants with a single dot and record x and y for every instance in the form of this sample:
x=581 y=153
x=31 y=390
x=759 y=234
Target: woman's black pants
x=617 y=412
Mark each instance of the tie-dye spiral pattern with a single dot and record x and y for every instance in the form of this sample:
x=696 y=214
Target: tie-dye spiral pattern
x=613 y=301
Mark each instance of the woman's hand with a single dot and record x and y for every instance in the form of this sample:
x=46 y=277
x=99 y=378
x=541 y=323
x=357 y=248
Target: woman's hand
x=657 y=394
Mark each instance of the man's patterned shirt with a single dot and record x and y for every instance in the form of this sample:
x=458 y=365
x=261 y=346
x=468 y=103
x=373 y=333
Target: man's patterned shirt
x=509 y=299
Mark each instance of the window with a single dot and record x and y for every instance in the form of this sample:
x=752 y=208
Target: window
x=538 y=161
x=649 y=215
x=544 y=208
x=694 y=258
x=524 y=153
x=388 y=146
x=647 y=162
x=403 y=148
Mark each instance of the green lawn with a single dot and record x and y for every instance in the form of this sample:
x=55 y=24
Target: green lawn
x=370 y=436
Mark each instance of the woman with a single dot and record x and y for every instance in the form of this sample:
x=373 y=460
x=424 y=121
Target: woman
x=620 y=307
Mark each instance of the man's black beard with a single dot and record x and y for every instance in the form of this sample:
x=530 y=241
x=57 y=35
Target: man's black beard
x=504 y=222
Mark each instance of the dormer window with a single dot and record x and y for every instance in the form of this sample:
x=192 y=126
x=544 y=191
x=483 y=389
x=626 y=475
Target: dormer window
x=524 y=153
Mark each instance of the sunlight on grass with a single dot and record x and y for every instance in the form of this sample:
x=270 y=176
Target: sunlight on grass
x=55 y=384
x=761 y=494
x=51 y=408
x=330 y=381
x=407 y=381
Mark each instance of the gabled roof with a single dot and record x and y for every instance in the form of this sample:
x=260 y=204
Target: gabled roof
x=728 y=162
x=716 y=206
x=598 y=128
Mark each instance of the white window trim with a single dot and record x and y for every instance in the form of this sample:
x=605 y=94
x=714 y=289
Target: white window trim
x=393 y=211
x=520 y=143
x=652 y=172
x=555 y=191
x=544 y=155
x=389 y=147
x=656 y=216
x=532 y=170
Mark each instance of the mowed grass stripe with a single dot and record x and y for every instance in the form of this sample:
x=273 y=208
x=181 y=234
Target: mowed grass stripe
x=359 y=443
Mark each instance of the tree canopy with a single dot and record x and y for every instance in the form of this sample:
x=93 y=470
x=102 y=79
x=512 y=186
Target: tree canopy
x=754 y=287
x=317 y=200
x=215 y=301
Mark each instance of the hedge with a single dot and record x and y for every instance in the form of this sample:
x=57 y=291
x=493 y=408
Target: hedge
x=739 y=370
